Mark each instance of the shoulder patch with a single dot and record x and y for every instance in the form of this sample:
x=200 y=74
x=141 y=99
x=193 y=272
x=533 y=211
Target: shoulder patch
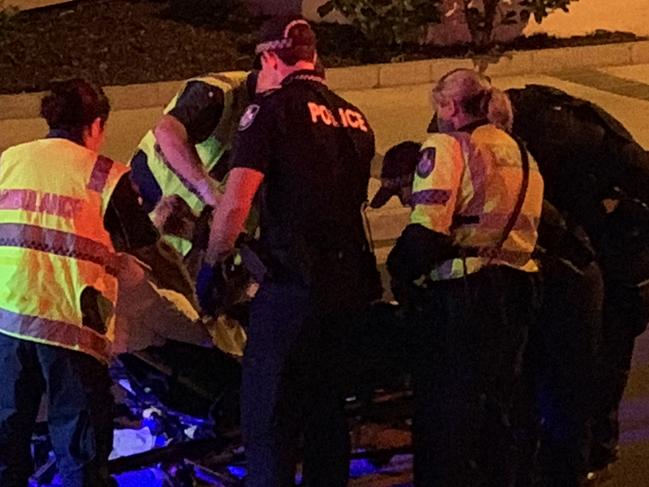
x=248 y=117
x=426 y=163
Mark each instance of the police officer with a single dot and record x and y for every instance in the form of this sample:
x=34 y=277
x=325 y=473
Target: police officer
x=464 y=263
x=308 y=153
x=180 y=156
x=61 y=205
x=599 y=176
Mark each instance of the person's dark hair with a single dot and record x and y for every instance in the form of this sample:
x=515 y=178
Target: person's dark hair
x=73 y=105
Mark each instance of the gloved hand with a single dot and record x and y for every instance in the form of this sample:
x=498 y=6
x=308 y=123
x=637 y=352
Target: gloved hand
x=206 y=286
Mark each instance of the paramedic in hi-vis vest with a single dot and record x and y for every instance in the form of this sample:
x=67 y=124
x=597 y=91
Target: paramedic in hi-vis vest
x=63 y=207
x=181 y=163
x=464 y=268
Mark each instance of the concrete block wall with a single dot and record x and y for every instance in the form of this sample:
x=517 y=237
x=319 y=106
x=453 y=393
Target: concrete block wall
x=138 y=96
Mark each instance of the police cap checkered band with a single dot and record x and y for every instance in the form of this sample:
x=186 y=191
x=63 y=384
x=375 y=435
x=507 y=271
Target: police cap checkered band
x=281 y=38
x=273 y=45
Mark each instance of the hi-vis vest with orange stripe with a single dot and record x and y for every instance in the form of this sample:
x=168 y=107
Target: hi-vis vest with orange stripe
x=210 y=151
x=466 y=186
x=53 y=245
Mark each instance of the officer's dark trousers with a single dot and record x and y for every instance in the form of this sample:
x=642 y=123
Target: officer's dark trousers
x=79 y=412
x=559 y=367
x=469 y=339
x=615 y=354
x=292 y=380
x=626 y=313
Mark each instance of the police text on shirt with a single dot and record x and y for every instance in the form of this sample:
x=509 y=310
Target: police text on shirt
x=345 y=117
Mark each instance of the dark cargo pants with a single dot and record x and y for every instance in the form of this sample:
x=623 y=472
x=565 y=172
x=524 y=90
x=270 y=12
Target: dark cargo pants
x=79 y=412
x=624 y=261
x=614 y=367
x=469 y=337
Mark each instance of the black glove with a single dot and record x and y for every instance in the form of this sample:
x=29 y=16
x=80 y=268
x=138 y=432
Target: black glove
x=252 y=258
x=417 y=251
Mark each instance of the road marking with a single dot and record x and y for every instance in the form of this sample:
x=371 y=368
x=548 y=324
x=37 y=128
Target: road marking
x=606 y=82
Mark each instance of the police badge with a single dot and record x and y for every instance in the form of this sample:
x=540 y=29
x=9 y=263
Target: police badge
x=248 y=117
x=426 y=163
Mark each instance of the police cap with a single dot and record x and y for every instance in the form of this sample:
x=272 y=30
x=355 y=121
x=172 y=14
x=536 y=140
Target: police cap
x=284 y=33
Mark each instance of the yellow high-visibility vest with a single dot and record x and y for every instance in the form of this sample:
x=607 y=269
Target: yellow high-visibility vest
x=466 y=186
x=53 y=245
x=210 y=151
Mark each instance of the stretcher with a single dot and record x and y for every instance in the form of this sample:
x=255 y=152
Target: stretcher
x=177 y=380
x=189 y=396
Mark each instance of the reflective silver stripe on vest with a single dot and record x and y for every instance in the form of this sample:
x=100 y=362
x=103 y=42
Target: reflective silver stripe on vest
x=430 y=197
x=100 y=173
x=56 y=242
x=184 y=181
x=65 y=334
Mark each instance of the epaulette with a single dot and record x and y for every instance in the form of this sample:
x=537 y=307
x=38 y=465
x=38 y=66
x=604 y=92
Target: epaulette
x=267 y=93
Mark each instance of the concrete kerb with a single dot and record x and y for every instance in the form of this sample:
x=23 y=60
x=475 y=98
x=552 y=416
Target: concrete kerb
x=24 y=105
x=511 y=64
x=149 y=95
x=640 y=52
x=549 y=60
x=129 y=97
x=414 y=72
x=354 y=78
x=144 y=95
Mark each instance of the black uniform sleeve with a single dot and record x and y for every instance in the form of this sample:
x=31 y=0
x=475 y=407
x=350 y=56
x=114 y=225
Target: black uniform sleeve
x=557 y=239
x=126 y=221
x=199 y=108
x=253 y=143
x=417 y=251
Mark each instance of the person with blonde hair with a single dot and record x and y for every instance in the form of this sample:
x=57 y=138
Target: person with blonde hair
x=464 y=269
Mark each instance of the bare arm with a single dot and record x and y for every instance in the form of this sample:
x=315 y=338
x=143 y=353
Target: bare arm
x=232 y=211
x=181 y=154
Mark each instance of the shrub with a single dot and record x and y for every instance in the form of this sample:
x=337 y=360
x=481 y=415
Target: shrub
x=7 y=12
x=394 y=22
x=388 y=22
x=483 y=16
